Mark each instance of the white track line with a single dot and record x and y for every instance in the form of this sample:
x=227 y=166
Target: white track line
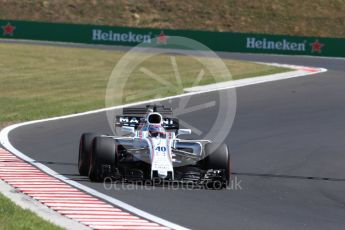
x=4 y=139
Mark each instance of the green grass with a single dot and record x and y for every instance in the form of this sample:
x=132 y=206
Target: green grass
x=14 y=217
x=44 y=81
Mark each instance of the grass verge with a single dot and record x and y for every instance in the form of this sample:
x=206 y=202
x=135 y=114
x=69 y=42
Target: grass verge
x=14 y=217
x=39 y=81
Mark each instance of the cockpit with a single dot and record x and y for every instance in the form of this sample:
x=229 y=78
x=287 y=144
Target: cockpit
x=156 y=131
x=154 y=125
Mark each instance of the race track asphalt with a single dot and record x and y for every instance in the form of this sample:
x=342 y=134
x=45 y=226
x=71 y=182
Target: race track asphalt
x=287 y=146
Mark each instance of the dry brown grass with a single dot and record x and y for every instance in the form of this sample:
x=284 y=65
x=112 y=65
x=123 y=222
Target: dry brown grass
x=325 y=18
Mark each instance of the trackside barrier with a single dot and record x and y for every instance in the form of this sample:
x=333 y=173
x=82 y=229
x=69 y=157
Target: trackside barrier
x=217 y=41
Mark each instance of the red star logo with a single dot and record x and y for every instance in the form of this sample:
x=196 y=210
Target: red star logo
x=316 y=46
x=8 y=29
x=161 y=38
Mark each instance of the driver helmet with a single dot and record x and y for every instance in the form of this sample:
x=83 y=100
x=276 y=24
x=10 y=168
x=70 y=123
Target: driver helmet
x=156 y=130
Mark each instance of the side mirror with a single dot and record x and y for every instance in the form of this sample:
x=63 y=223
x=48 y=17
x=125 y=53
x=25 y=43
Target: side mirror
x=128 y=129
x=184 y=132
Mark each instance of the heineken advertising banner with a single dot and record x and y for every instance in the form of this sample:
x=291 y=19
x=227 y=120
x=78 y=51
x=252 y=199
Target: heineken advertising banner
x=217 y=41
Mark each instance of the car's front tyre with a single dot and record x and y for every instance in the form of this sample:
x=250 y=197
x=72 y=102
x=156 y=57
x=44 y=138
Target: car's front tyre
x=218 y=158
x=103 y=158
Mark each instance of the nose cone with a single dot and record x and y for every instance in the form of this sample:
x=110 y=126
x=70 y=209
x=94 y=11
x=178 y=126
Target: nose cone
x=162 y=174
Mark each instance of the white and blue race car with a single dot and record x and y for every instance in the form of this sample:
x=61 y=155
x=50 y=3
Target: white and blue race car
x=152 y=150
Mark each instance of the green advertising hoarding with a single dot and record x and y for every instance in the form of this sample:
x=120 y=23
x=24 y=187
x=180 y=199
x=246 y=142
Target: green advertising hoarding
x=217 y=41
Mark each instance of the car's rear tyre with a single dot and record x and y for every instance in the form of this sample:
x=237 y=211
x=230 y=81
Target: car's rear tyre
x=85 y=149
x=218 y=157
x=103 y=158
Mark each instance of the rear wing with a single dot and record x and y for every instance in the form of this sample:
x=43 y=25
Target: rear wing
x=134 y=116
x=135 y=121
x=141 y=111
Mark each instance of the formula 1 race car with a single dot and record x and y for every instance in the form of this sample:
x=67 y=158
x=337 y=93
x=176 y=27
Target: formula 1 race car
x=152 y=150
